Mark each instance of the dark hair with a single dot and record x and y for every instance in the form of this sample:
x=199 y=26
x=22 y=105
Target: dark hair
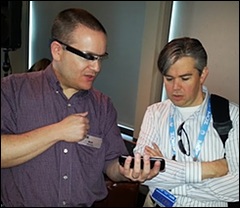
x=67 y=20
x=40 y=65
x=182 y=47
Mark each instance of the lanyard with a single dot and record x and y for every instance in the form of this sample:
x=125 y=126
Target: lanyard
x=201 y=136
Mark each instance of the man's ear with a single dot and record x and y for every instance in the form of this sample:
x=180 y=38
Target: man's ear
x=204 y=74
x=56 y=50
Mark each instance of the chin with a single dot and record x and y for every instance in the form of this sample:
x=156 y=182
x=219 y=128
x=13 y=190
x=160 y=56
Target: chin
x=86 y=87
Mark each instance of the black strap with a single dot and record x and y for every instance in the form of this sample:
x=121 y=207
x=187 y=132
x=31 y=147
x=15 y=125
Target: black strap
x=221 y=118
x=222 y=123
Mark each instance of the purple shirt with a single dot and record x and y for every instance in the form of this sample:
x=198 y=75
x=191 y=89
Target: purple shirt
x=67 y=174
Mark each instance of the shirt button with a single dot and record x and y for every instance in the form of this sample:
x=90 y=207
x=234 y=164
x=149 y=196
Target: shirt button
x=69 y=105
x=65 y=177
x=64 y=203
x=65 y=151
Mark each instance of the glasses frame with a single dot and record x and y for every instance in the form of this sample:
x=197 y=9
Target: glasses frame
x=180 y=142
x=83 y=54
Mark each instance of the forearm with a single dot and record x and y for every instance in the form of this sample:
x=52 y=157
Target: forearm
x=18 y=149
x=180 y=173
x=211 y=169
x=214 y=169
x=113 y=172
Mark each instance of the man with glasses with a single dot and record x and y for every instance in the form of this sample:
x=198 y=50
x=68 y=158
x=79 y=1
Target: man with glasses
x=199 y=172
x=57 y=154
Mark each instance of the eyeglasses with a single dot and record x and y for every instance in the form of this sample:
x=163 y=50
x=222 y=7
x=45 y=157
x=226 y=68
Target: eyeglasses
x=180 y=142
x=83 y=54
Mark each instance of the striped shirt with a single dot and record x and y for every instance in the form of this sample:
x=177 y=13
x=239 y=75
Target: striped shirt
x=183 y=176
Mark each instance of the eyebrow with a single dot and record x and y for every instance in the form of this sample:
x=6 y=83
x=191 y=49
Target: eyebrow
x=183 y=75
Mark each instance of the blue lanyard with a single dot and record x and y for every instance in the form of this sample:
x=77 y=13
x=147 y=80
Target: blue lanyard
x=201 y=136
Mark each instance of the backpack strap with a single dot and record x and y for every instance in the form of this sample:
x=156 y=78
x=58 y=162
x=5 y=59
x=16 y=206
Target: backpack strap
x=221 y=118
x=222 y=123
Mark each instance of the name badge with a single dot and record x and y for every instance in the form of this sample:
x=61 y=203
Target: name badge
x=91 y=141
x=163 y=198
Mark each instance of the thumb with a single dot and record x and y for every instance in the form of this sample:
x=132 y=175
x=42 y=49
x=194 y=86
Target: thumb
x=83 y=114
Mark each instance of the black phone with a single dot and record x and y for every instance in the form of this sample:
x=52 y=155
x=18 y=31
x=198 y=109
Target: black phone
x=122 y=159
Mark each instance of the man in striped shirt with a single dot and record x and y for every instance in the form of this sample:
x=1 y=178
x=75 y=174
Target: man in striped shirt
x=180 y=129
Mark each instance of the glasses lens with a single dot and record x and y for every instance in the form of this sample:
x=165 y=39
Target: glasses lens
x=181 y=147
x=83 y=54
x=180 y=142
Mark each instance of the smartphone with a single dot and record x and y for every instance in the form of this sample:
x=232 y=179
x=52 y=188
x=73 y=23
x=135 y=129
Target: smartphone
x=122 y=159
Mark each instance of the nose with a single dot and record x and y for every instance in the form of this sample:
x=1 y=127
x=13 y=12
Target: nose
x=95 y=65
x=176 y=84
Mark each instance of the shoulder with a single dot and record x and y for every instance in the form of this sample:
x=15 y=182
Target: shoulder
x=21 y=83
x=159 y=109
x=163 y=105
x=234 y=111
x=20 y=78
x=13 y=80
x=233 y=105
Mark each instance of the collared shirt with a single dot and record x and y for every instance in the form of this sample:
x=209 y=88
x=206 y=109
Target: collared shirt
x=183 y=176
x=66 y=174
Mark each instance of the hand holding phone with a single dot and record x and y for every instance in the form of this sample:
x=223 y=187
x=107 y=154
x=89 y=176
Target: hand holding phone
x=122 y=159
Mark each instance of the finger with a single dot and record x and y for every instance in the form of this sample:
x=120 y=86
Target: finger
x=151 y=152
x=146 y=160
x=127 y=162
x=156 y=148
x=137 y=162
